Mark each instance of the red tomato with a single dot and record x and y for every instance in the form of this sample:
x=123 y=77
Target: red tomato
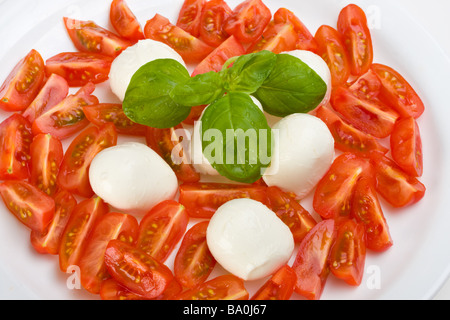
x=367 y=85
x=203 y=199
x=190 y=48
x=50 y=240
x=79 y=68
x=279 y=287
x=111 y=290
x=124 y=21
x=397 y=92
x=331 y=48
x=226 y=287
x=103 y=113
x=367 y=209
x=23 y=83
x=193 y=261
x=297 y=218
x=352 y=24
x=346 y=137
x=171 y=144
x=15 y=141
x=67 y=117
x=53 y=92
x=305 y=39
x=162 y=228
x=368 y=115
x=214 y=14
x=189 y=17
x=89 y=37
x=74 y=171
x=348 y=253
x=46 y=157
x=30 y=205
x=76 y=233
x=277 y=37
x=310 y=264
x=248 y=21
x=334 y=191
x=136 y=270
x=111 y=226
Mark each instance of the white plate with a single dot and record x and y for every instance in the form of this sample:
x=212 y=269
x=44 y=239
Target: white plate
x=417 y=264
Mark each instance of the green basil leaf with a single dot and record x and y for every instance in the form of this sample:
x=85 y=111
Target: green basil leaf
x=236 y=138
x=147 y=99
x=291 y=87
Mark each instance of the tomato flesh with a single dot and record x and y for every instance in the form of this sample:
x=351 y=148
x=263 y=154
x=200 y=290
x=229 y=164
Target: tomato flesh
x=124 y=21
x=279 y=287
x=277 y=37
x=112 y=290
x=214 y=14
x=189 y=17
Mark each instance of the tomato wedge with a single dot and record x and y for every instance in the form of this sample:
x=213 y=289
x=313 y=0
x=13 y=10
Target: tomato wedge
x=136 y=270
x=367 y=85
x=193 y=261
x=111 y=290
x=277 y=37
x=310 y=264
x=46 y=157
x=214 y=14
x=279 y=287
x=248 y=21
x=30 y=205
x=74 y=171
x=352 y=24
x=48 y=242
x=15 y=141
x=23 y=83
x=162 y=228
x=111 y=226
x=189 y=17
x=79 y=68
x=124 y=21
x=190 y=48
x=76 y=233
x=226 y=287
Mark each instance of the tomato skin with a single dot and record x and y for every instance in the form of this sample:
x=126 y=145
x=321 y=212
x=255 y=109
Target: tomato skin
x=124 y=21
x=189 y=17
x=23 y=83
x=279 y=287
x=214 y=13
x=352 y=24
x=162 y=228
x=111 y=290
x=277 y=37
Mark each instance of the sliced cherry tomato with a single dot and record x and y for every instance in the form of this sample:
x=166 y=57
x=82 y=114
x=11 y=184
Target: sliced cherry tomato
x=50 y=240
x=162 y=228
x=89 y=37
x=112 y=225
x=67 y=117
x=334 y=192
x=367 y=85
x=30 y=205
x=248 y=21
x=189 y=17
x=279 y=287
x=397 y=92
x=305 y=39
x=74 y=171
x=136 y=270
x=53 y=92
x=124 y=21
x=367 y=209
x=291 y=212
x=348 y=253
x=112 y=290
x=76 y=233
x=214 y=14
x=79 y=68
x=310 y=264
x=23 y=83
x=346 y=137
x=331 y=48
x=103 y=113
x=203 y=199
x=393 y=184
x=352 y=24
x=277 y=37
x=15 y=141
x=368 y=115
x=193 y=261
x=226 y=287
x=46 y=157
x=190 y=48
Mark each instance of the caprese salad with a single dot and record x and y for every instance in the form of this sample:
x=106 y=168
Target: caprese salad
x=324 y=119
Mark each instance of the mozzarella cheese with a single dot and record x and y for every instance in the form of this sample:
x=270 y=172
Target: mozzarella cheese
x=131 y=59
x=302 y=153
x=132 y=177
x=248 y=239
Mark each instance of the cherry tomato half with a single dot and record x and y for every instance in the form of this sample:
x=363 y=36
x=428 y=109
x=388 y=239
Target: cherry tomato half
x=277 y=37
x=279 y=287
x=124 y=21
x=214 y=13
x=111 y=290
x=189 y=17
